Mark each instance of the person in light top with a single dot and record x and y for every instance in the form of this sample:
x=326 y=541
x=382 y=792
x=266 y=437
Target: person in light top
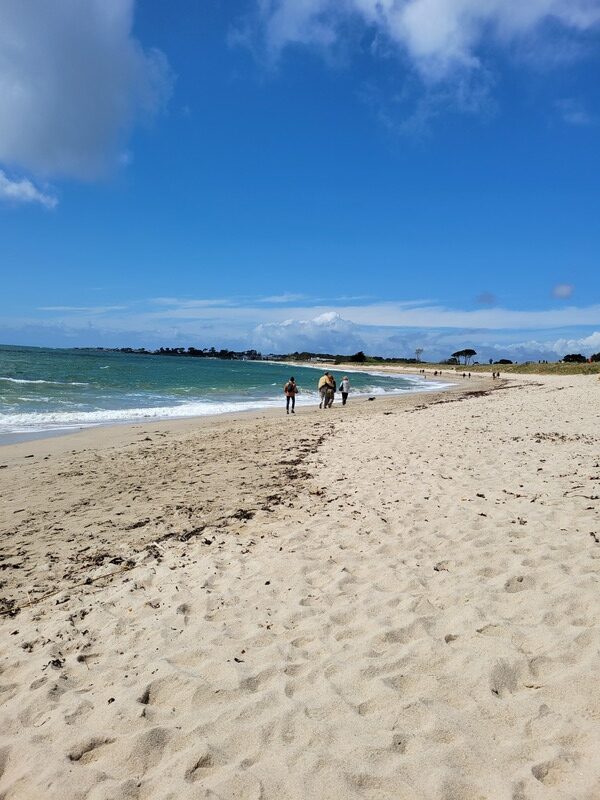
x=344 y=389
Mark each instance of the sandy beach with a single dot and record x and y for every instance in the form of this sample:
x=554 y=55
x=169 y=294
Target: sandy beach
x=396 y=599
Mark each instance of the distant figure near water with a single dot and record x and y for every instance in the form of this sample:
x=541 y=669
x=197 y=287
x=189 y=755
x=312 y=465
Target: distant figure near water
x=291 y=390
x=344 y=389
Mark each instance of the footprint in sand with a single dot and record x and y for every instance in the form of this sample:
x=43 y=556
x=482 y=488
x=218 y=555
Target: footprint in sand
x=87 y=751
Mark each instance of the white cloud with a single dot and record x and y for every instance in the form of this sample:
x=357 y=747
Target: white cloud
x=73 y=80
x=390 y=314
x=439 y=36
x=558 y=347
x=327 y=332
x=24 y=191
x=82 y=309
x=287 y=297
x=388 y=329
x=481 y=319
x=584 y=344
x=573 y=112
x=563 y=291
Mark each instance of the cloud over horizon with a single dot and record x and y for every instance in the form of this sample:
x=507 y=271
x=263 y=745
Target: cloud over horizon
x=380 y=328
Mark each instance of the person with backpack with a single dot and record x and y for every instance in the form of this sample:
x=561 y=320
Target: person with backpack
x=291 y=390
x=330 y=389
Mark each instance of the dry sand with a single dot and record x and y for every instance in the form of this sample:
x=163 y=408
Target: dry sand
x=397 y=599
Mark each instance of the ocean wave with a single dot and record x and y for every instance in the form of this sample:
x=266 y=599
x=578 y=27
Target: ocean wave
x=54 y=383
x=57 y=420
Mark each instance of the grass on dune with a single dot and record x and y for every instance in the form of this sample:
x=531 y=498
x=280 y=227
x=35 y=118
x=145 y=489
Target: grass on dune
x=555 y=368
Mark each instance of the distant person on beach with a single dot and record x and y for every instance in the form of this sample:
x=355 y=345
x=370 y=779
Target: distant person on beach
x=291 y=390
x=330 y=389
x=344 y=389
x=324 y=381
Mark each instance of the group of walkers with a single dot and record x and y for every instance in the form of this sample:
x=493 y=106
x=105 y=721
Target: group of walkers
x=327 y=387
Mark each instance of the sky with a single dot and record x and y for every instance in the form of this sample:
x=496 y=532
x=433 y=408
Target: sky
x=324 y=175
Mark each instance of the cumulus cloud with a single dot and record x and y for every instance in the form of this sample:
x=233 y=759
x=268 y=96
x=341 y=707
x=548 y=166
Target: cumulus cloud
x=73 y=81
x=327 y=332
x=563 y=291
x=24 y=191
x=553 y=348
x=584 y=344
x=439 y=36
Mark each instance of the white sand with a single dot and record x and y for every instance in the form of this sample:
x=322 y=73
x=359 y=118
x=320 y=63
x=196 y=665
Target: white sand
x=397 y=599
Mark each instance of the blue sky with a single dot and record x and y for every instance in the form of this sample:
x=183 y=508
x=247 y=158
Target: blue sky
x=291 y=174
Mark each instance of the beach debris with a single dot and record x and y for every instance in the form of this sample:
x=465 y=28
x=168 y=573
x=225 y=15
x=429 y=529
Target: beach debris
x=8 y=607
x=139 y=524
x=187 y=535
x=153 y=551
x=595 y=537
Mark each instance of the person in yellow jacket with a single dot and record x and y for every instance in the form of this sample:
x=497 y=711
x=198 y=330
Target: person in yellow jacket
x=325 y=383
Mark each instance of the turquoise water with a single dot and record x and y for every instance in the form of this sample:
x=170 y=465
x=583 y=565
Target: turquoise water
x=52 y=390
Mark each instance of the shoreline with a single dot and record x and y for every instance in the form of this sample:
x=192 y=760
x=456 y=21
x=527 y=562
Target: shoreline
x=8 y=439
x=49 y=462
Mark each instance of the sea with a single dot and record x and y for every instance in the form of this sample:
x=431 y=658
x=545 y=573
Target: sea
x=44 y=391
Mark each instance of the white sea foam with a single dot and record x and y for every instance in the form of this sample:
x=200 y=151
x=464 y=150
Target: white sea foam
x=67 y=420
x=56 y=420
x=54 y=383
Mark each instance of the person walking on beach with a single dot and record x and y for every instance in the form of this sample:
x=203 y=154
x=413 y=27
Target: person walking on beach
x=324 y=382
x=330 y=391
x=291 y=390
x=344 y=389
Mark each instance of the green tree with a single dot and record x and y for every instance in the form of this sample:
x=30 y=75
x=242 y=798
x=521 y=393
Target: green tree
x=466 y=354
